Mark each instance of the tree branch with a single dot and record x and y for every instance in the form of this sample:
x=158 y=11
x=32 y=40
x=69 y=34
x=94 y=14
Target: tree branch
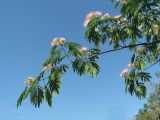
x=117 y=49
x=129 y=46
x=152 y=64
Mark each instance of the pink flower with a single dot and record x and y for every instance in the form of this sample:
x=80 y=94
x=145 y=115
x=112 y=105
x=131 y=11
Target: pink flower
x=124 y=72
x=90 y=16
x=83 y=49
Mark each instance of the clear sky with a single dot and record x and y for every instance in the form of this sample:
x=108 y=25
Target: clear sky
x=26 y=30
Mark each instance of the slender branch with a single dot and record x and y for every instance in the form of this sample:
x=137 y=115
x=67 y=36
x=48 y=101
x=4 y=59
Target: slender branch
x=129 y=46
x=152 y=64
x=113 y=50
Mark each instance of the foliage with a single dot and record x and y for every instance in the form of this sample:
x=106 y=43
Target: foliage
x=82 y=62
x=137 y=29
x=151 y=110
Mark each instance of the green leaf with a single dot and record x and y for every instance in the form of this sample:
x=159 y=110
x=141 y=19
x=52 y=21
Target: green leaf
x=140 y=91
x=54 y=84
x=36 y=96
x=95 y=69
x=72 y=44
x=132 y=58
x=21 y=97
x=40 y=76
x=73 y=49
x=48 y=96
x=117 y=4
x=142 y=64
x=52 y=76
x=92 y=22
x=47 y=62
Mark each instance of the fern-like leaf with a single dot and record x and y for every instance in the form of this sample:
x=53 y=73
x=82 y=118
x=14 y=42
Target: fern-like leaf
x=36 y=95
x=22 y=97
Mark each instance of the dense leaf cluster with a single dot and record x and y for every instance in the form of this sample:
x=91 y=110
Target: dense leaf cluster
x=44 y=88
x=138 y=29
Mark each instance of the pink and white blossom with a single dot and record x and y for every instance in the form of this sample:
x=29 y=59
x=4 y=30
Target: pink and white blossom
x=124 y=72
x=90 y=16
x=83 y=49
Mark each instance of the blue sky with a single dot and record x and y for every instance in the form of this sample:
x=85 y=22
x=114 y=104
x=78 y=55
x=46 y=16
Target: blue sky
x=26 y=30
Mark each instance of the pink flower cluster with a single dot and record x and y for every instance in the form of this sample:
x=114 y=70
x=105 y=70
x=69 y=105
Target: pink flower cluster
x=90 y=16
x=93 y=14
x=83 y=49
x=125 y=70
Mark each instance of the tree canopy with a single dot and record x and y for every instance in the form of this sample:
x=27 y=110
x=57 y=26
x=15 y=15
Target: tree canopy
x=151 y=109
x=137 y=29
